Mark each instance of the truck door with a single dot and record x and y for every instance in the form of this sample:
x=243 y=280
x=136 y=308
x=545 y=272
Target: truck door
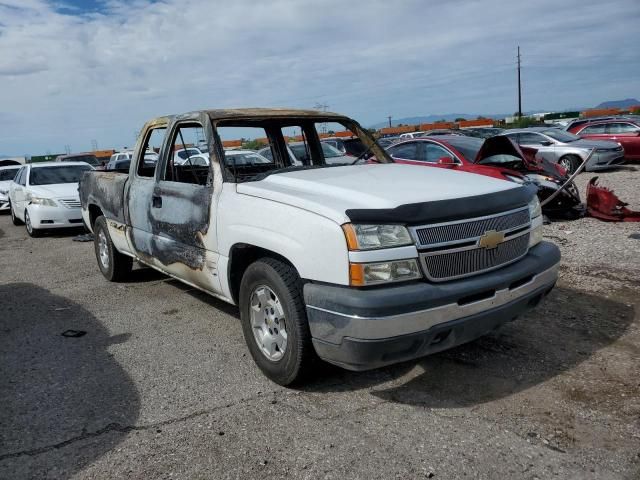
x=138 y=193
x=182 y=209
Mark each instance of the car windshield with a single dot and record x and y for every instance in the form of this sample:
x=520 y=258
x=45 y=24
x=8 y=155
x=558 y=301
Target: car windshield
x=8 y=174
x=561 y=135
x=467 y=146
x=245 y=158
x=300 y=151
x=52 y=175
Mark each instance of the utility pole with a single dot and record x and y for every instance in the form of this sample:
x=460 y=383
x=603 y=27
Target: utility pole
x=389 y=117
x=324 y=107
x=519 y=87
x=94 y=145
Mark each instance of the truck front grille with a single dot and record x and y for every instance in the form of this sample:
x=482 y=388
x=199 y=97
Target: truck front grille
x=432 y=235
x=448 y=265
x=457 y=249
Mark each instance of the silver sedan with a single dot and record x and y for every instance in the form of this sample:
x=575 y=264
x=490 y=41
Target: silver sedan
x=568 y=149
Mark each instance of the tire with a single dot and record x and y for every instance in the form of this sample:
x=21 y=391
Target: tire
x=282 y=361
x=114 y=265
x=570 y=163
x=33 y=232
x=16 y=221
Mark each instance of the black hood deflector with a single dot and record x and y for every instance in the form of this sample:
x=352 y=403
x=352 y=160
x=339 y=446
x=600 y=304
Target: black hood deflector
x=446 y=210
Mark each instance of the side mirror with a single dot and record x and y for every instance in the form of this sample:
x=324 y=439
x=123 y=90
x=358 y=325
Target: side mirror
x=446 y=161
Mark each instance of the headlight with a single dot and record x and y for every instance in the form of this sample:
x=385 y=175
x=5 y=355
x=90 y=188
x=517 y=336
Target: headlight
x=535 y=211
x=513 y=179
x=46 y=202
x=371 y=237
x=363 y=274
x=534 y=208
x=3 y=192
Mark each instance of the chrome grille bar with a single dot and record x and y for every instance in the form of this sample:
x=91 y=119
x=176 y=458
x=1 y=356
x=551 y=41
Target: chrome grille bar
x=466 y=230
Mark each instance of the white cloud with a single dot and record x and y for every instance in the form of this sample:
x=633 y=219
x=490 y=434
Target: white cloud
x=68 y=79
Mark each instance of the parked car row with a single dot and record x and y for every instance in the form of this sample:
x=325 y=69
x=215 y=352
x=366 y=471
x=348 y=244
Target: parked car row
x=611 y=141
x=497 y=157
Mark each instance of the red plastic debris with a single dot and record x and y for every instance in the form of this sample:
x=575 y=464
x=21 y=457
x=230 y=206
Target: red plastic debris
x=602 y=203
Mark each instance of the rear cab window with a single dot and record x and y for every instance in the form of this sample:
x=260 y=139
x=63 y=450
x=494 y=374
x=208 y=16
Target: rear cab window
x=146 y=167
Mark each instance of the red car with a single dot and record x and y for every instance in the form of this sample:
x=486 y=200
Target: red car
x=624 y=131
x=496 y=157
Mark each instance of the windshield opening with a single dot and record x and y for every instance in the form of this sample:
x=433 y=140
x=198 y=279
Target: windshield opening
x=256 y=148
x=54 y=175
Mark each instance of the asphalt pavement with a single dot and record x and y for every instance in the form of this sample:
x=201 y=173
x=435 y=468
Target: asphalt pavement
x=152 y=379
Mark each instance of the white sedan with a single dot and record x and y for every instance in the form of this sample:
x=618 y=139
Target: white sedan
x=6 y=176
x=45 y=195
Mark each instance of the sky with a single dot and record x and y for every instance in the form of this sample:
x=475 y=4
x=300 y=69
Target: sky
x=73 y=72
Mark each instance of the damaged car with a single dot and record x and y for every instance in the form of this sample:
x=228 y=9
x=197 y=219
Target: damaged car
x=362 y=264
x=497 y=157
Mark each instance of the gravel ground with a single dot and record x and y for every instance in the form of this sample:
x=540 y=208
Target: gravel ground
x=162 y=386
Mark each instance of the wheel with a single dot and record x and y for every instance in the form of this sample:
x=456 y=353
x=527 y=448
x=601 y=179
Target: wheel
x=570 y=163
x=274 y=321
x=33 y=232
x=14 y=219
x=114 y=265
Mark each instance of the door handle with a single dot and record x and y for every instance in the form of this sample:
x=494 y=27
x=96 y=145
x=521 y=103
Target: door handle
x=157 y=201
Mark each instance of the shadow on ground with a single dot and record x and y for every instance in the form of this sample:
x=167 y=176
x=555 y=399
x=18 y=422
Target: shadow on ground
x=567 y=328
x=65 y=401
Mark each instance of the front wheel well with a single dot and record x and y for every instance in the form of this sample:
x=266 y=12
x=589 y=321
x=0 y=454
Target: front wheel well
x=241 y=256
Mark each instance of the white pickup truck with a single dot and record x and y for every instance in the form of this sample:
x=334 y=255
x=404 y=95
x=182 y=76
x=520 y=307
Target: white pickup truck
x=362 y=264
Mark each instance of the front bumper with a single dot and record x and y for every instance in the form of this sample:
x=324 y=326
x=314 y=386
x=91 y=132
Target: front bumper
x=44 y=217
x=4 y=202
x=604 y=160
x=370 y=328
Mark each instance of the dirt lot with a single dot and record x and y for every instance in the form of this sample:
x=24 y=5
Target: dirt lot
x=162 y=386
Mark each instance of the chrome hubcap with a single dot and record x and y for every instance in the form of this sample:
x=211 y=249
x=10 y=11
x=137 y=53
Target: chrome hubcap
x=566 y=164
x=268 y=323
x=103 y=249
x=27 y=222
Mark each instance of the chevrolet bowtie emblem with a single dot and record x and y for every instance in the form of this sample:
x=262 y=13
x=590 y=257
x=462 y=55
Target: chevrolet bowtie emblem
x=491 y=239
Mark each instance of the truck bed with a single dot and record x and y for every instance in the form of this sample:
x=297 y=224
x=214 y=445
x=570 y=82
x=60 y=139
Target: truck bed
x=106 y=190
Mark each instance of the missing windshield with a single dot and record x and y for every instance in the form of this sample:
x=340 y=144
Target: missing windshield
x=256 y=148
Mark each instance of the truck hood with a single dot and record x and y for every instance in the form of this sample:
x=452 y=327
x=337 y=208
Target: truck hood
x=58 y=190
x=333 y=190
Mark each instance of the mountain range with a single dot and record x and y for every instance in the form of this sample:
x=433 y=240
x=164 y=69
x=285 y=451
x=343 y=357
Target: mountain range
x=628 y=102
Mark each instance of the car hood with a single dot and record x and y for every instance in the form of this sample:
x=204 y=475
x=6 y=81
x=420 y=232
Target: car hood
x=333 y=190
x=586 y=143
x=4 y=184
x=58 y=190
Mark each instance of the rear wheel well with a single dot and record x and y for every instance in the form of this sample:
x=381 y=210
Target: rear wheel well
x=94 y=213
x=242 y=255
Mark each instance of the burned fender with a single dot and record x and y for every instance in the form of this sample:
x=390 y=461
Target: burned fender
x=602 y=203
